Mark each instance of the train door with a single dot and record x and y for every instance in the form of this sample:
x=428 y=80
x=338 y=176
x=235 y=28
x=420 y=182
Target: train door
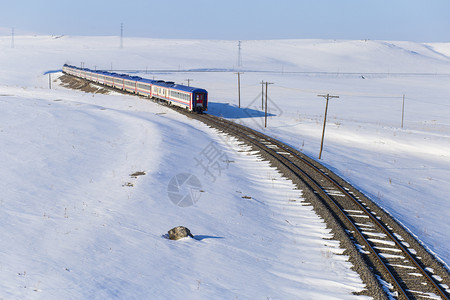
x=199 y=100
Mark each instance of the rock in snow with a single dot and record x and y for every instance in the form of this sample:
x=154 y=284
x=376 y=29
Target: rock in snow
x=179 y=232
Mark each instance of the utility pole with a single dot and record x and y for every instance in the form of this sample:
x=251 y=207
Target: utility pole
x=239 y=88
x=265 y=118
x=121 y=35
x=403 y=109
x=50 y=81
x=12 y=37
x=262 y=94
x=82 y=65
x=189 y=81
x=327 y=96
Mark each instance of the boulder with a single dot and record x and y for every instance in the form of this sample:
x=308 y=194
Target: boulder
x=179 y=232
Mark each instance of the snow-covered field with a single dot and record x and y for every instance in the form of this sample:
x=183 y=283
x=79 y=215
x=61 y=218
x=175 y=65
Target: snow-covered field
x=74 y=224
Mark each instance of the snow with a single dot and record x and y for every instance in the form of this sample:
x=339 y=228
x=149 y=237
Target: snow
x=72 y=228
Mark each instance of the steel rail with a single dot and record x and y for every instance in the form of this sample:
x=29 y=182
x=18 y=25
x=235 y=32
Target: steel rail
x=373 y=218
x=316 y=187
x=290 y=165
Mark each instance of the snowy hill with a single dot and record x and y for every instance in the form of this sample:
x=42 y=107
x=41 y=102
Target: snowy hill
x=76 y=225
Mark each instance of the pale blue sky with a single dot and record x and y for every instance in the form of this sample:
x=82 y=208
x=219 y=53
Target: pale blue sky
x=412 y=20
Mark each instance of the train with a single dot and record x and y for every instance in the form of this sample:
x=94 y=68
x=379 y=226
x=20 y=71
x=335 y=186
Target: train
x=191 y=98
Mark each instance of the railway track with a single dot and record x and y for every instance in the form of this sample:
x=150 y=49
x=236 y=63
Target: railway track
x=400 y=267
x=391 y=262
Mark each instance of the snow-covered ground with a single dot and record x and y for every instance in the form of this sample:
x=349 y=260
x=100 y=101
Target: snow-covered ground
x=75 y=224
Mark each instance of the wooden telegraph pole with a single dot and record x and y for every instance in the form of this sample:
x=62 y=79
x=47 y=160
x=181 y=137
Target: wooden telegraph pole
x=327 y=97
x=262 y=94
x=403 y=109
x=239 y=87
x=265 y=119
x=189 y=81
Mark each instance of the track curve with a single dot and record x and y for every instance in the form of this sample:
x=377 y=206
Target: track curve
x=392 y=259
x=391 y=262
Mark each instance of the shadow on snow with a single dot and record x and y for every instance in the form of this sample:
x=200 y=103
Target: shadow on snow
x=226 y=110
